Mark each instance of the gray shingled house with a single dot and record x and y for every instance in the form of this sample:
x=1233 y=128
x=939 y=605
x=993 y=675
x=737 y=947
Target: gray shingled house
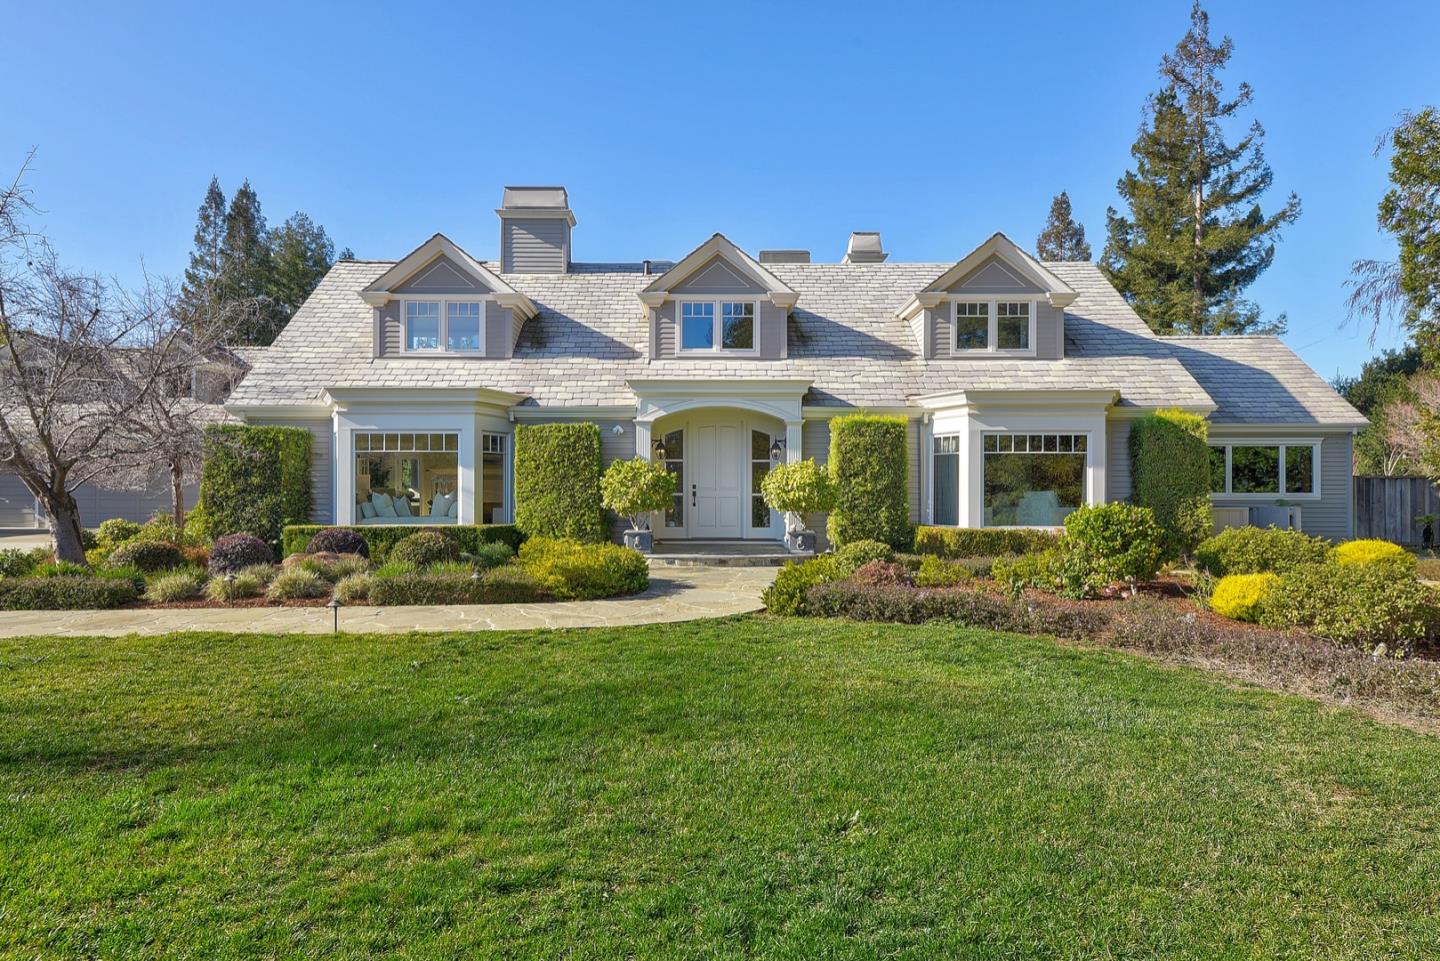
x=1019 y=380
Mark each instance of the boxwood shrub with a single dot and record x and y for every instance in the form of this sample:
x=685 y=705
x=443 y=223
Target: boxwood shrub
x=145 y=555
x=1256 y=550
x=67 y=592
x=255 y=479
x=953 y=542
x=871 y=471
x=557 y=481
x=787 y=594
x=576 y=571
x=424 y=548
x=506 y=585
x=379 y=538
x=1170 y=474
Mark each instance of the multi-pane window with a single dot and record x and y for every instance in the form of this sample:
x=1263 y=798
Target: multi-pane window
x=1266 y=470
x=994 y=326
x=717 y=325
x=452 y=326
x=946 y=470
x=462 y=327
x=759 y=467
x=972 y=326
x=422 y=325
x=494 y=507
x=673 y=445
x=1012 y=325
x=400 y=474
x=1033 y=480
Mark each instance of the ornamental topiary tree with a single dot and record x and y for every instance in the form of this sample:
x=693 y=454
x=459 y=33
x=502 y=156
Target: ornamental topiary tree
x=801 y=487
x=1170 y=474
x=557 y=481
x=636 y=488
x=871 y=476
x=255 y=480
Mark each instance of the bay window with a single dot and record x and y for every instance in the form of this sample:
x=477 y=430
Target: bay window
x=717 y=325
x=448 y=326
x=406 y=477
x=994 y=326
x=1270 y=470
x=1033 y=480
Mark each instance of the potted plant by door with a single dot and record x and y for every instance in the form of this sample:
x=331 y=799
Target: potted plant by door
x=636 y=489
x=795 y=489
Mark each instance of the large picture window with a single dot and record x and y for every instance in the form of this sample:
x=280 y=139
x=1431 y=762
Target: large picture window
x=1033 y=480
x=406 y=478
x=455 y=327
x=717 y=325
x=1264 y=470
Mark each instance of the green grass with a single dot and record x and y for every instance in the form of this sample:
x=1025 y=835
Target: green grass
x=741 y=788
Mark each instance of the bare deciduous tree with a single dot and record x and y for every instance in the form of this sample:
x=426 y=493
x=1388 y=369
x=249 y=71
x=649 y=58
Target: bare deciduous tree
x=83 y=367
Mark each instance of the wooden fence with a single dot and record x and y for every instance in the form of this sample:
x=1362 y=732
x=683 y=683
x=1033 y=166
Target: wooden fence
x=1387 y=507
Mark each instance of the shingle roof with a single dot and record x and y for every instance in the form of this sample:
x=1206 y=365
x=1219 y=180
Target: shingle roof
x=591 y=336
x=1259 y=380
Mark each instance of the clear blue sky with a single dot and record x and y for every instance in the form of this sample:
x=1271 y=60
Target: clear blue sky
x=782 y=125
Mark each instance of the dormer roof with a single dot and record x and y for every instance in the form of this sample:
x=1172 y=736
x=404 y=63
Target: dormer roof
x=718 y=247
x=383 y=289
x=1013 y=256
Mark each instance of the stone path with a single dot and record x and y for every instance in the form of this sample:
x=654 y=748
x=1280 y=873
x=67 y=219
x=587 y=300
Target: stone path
x=675 y=594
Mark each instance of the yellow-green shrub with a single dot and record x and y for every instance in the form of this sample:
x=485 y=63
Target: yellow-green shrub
x=1372 y=552
x=575 y=571
x=1242 y=596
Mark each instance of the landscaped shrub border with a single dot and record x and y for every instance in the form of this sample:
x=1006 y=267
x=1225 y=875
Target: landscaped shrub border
x=870 y=466
x=66 y=593
x=953 y=542
x=557 y=481
x=894 y=603
x=381 y=537
x=255 y=480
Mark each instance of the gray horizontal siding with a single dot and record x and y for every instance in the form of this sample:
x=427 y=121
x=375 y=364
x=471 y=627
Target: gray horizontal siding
x=1049 y=331
x=815 y=444
x=771 y=334
x=1117 y=460
x=1332 y=515
x=535 y=245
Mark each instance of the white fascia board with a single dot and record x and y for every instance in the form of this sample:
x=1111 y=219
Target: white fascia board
x=1134 y=413
x=1068 y=399
x=275 y=411
x=614 y=412
x=538 y=213
x=379 y=292
x=1228 y=431
x=710 y=387
x=658 y=290
x=1059 y=293
x=345 y=398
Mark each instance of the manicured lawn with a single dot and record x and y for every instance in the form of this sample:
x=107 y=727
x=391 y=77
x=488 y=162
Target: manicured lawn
x=742 y=788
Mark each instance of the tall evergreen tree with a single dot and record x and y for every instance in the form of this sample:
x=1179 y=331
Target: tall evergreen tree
x=300 y=254
x=1062 y=238
x=202 y=276
x=248 y=272
x=1195 y=236
x=1410 y=210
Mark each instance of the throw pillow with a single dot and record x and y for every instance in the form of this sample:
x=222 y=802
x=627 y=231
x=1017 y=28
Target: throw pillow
x=367 y=510
x=383 y=506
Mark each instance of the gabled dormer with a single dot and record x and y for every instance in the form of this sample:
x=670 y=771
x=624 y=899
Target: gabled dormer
x=441 y=302
x=718 y=303
x=997 y=302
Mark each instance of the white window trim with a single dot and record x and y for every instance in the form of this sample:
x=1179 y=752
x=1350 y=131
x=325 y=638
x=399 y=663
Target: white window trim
x=507 y=477
x=718 y=327
x=992 y=338
x=444 y=300
x=1229 y=496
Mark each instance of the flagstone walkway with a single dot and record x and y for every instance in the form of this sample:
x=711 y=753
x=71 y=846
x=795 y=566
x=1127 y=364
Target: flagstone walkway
x=675 y=594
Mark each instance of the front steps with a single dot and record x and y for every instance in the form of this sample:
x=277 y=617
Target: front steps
x=723 y=554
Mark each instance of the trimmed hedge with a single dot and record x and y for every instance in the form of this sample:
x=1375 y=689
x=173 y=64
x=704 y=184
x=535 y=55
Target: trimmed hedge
x=786 y=595
x=146 y=556
x=871 y=472
x=66 y=593
x=424 y=548
x=557 y=482
x=911 y=605
x=255 y=479
x=381 y=537
x=952 y=542
x=1356 y=604
x=1170 y=474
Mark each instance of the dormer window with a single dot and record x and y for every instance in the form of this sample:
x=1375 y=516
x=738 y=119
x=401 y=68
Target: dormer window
x=993 y=326
x=455 y=324
x=711 y=326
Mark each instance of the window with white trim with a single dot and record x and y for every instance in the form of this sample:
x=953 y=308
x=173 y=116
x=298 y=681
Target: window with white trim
x=717 y=326
x=444 y=326
x=406 y=474
x=1033 y=480
x=1264 y=470
x=946 y=472
x=994 y=326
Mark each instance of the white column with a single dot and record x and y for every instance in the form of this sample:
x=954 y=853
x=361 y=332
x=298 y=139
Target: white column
x=794 y=434
x=642 y=440
x=344 y=492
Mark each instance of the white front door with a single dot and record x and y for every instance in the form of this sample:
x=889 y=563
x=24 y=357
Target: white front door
x=715 y=474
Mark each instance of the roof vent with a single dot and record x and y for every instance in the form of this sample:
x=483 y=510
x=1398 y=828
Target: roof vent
x=535 y=227
x=784 y=256
x=864 y=248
